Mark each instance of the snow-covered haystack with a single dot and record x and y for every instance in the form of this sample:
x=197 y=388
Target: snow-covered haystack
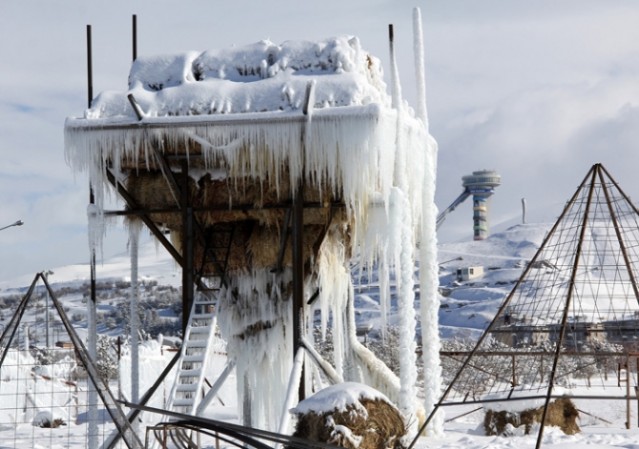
x=250 y=129
x=561 y=413
x=350 y=415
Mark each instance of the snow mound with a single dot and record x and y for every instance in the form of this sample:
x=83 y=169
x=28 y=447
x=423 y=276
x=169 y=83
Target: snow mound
x=338 y=397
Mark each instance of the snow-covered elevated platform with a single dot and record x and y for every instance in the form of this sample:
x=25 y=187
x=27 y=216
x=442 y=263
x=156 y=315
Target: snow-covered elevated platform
x=251 y=129
x=270 y=165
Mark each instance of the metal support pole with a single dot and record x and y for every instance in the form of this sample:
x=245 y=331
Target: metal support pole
x=298 y=274
x=297 y=241
x=187 y=248
x=567 y=307
x=92 y=340
x=627 y=392
x=47 y=304
x=134 y=36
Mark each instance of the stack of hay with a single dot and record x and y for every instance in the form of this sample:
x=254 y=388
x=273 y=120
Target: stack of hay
x=562 y=413
x=350 y=415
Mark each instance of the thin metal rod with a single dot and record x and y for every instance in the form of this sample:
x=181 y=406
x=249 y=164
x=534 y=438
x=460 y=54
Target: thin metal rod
x=564 y=318
x=187 y=248
x=297 y=242
x=11 y=329
x=622 y=246
x=147 y=396
x=113 y=408
x=89 y=68
x=134 y=36
x=136 y=107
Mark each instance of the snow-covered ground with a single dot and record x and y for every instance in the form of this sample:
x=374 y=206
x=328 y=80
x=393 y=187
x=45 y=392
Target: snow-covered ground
x=467 y=307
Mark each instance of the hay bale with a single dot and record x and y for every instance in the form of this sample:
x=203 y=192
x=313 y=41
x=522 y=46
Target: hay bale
x=45 y=419
x=256 y=235
x=562 y=413
x=367 y=423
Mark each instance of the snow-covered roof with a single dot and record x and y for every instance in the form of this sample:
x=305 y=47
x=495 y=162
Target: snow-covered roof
x=259 y=77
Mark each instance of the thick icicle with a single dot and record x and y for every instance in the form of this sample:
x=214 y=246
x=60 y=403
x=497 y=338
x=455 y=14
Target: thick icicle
x=429 y=280
x=255 y=320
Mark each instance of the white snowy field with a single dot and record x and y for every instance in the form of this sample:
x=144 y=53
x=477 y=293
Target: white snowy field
x=466 y=309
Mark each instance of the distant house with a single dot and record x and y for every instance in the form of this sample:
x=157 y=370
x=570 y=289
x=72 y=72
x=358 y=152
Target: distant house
x=518 y=334
x=469 y=273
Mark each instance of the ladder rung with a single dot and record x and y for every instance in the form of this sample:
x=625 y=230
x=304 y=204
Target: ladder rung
x=195 y=344
x=193 y=358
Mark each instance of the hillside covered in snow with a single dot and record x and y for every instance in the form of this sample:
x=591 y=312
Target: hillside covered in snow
x=467 y=306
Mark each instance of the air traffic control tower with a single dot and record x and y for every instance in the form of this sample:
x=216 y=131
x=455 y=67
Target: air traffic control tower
x=481 y=185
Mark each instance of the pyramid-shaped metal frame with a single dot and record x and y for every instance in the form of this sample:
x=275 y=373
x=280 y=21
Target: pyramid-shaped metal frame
x=124 y=429
x=571 y=314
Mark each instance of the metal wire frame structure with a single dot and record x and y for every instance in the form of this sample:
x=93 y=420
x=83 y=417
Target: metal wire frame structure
x=45 y=391
x=571 y=321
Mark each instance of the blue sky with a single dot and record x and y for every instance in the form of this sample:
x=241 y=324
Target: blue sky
x=538 y=91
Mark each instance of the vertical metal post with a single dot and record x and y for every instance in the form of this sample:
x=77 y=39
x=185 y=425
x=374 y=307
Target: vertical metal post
x=298 y=273
x=297 y=242
x=46 y=309
x=247 y=413
x=92 y=338
x=134 y=36
x=89 y=68
x=187 y=248
x=627 y=392
x=564 y=318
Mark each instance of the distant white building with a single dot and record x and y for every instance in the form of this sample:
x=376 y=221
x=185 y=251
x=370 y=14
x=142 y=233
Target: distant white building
x=469 y=273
